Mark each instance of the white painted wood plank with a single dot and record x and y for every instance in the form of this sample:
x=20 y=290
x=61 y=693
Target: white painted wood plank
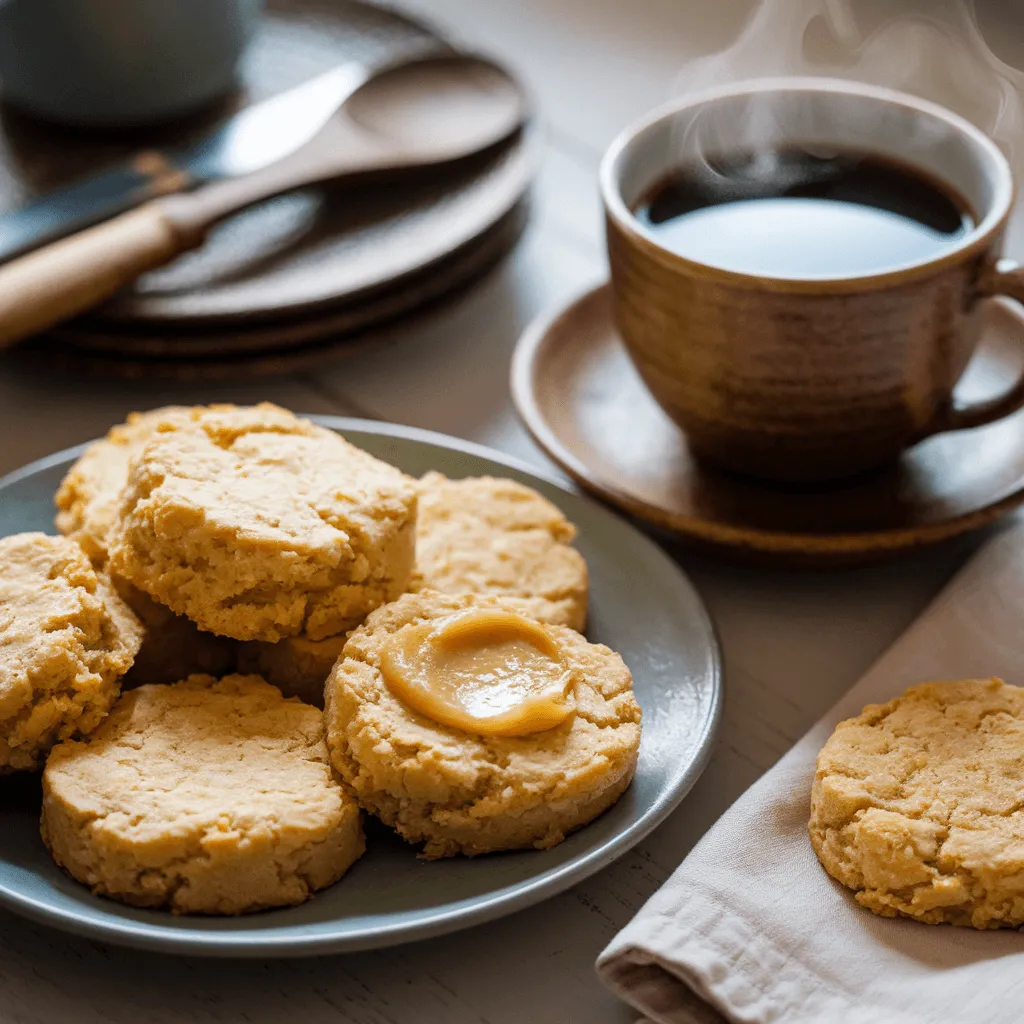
x=597 y=65
x=509 y=973
x=449 y=371
x=594 y=65
x=568 y=200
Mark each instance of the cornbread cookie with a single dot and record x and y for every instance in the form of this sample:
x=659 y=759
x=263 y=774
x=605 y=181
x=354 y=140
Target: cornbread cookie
x=296 y=666
x=89 y=495
x=258 y=525
x=87 y=503
x=202 y=797
x=484 y=535
x=457 y=792
x=173 y=646
x=917 y=805
x=65 y=639
x=475 y=536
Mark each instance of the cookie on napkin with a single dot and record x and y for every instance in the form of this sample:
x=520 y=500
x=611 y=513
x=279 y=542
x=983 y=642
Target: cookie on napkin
x=918 y=805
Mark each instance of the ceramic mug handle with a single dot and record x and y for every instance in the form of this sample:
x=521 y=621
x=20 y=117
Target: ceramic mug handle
x=1004 y=278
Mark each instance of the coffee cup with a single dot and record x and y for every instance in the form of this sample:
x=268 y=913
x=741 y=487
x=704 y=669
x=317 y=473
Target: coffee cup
x=120 y=63
x=809 y=376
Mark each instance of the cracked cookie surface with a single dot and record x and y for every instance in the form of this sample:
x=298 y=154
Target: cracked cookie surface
x=90 y=493
x=87 y=504
x=487 y=535
x=918 y=805
x=66 y=638
x=203 y=796
x=259 y=525
x=456 y=792
x=480 y=535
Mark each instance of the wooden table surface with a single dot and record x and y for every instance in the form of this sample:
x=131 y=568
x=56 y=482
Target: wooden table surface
x=792 y=643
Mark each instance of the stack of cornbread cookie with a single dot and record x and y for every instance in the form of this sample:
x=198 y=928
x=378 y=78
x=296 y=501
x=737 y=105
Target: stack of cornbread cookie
x=253 y=631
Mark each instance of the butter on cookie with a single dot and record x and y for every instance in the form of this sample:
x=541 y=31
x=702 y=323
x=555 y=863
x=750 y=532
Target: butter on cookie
x=458 y=790
x=487 y=671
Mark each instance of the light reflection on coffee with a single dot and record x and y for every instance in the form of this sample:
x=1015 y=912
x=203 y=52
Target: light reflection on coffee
x=792 y=214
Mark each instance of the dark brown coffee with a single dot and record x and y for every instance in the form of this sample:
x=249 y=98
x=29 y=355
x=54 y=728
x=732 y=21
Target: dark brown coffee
x=789 y=213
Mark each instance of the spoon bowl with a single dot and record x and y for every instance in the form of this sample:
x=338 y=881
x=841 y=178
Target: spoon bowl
x=419 y=114
x=438 y=109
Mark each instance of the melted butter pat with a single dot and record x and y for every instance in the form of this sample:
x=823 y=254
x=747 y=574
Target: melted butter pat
x=493 y=673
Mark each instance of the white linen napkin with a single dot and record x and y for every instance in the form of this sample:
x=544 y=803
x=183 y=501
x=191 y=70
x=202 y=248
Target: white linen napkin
x=751 y=929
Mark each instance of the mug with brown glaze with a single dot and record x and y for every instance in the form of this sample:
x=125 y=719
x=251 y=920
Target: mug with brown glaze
x=809 y=377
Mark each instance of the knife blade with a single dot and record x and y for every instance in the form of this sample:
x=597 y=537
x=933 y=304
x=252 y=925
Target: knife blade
x=252 y=139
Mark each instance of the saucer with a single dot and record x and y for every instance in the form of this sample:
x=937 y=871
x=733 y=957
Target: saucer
x=581 y=398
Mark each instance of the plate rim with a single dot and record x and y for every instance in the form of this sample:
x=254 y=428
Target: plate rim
x=525 y=151
x=339 y=326
x=826 y=547
x=447 y=918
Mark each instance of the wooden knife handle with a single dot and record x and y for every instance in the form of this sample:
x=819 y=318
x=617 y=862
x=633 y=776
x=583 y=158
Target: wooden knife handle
x=61 y=280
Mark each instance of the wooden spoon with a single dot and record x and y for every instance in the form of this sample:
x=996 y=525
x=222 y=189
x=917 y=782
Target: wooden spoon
x=431 y=111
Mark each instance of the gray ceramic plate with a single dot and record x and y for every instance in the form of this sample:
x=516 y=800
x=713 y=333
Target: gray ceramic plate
x=642 y=605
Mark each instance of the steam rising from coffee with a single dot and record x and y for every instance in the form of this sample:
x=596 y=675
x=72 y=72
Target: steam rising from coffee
x=939 y=54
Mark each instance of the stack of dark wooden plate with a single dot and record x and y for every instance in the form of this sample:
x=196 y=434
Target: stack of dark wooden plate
x=304 y=276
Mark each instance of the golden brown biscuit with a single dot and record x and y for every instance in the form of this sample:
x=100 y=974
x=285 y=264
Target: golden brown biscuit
x=479 y=535
x=173 y=647
x=296 y=666
x=258 y=525
x=65 y=640
x=203 y=797
x=916 y=805
x=90 y=493
x=87 y=502
x=485 y=535
x=462 y=793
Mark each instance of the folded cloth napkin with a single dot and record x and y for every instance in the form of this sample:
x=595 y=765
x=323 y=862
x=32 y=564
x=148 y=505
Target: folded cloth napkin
x=750 y=928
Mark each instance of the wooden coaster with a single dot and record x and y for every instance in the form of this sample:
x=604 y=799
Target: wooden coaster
x=583 y=401
x=303 y=253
